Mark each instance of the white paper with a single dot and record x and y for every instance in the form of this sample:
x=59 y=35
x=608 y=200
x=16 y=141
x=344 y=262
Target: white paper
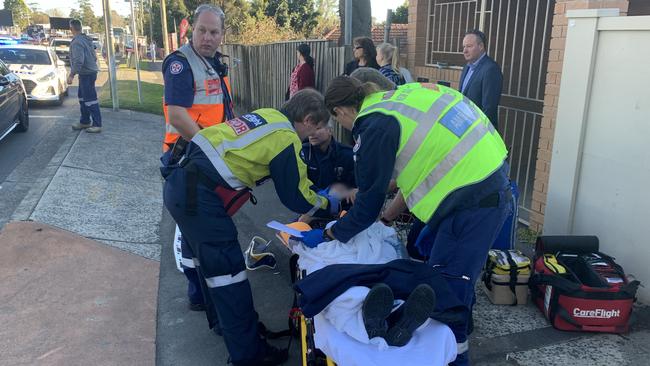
x=284 y=228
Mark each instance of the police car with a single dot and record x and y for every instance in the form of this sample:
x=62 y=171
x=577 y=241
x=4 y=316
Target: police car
x=41 y=71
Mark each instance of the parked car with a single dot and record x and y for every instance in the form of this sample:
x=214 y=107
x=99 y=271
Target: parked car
x=14 y=112
x=43 y=74
x=62 y=49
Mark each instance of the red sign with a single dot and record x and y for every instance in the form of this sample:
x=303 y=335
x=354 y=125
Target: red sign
x=183 y=27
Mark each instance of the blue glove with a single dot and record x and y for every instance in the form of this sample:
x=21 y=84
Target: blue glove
x=312 y=238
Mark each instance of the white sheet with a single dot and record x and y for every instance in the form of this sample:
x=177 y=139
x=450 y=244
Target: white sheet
x=340 y=332
x=431 y=345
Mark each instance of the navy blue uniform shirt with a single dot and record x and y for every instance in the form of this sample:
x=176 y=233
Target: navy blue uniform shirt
x=376 y=139
x=336 y=165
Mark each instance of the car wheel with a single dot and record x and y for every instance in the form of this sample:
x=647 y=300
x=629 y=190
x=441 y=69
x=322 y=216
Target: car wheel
x=23 y=118
x=61 y=97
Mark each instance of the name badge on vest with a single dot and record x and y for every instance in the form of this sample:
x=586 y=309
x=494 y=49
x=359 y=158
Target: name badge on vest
x=212 y=86
x=246 y=123
x=458 y=119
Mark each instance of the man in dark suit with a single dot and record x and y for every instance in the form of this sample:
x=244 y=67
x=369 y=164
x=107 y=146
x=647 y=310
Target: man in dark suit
x=481 y=78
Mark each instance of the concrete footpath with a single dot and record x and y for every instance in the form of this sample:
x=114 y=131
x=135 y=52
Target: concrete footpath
x=88 y=256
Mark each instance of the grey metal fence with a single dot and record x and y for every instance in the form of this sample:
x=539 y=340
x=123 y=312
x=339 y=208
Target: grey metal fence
x=518 y=34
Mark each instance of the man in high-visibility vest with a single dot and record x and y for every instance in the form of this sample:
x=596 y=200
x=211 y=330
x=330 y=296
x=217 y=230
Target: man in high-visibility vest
x=196 y=96
x=214 y=177
x=448 y=162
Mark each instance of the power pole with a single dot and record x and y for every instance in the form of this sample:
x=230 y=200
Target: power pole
x=163 y=16
x=136 y=50
x=112 y=77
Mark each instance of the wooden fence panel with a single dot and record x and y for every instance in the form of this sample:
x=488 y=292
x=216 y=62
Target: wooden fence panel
x=260 y=74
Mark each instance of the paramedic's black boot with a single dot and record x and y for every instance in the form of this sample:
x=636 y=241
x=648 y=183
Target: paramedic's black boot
x=274 y=356
x=376 y=308
x=416 y=310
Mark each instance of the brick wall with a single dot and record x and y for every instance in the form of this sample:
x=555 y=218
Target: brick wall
x=553 y=79
x=435 y=74
x=417 y=35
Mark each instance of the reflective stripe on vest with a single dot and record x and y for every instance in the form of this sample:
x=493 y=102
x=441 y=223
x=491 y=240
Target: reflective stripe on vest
x=202 y=77
x=453 y=157
x=447 y=146
x=216 y=153
x=426 y=120
x=206 y=110
x=225 y=280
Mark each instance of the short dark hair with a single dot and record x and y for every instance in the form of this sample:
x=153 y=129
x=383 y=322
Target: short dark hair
x=479 y=35
x=370 y=75
x=306 y=102
x=75 y=24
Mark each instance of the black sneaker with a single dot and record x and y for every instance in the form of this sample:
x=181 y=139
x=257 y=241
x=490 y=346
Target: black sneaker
x=196 y=307
x=376 y=308
x=274 y=356
x=416 y=310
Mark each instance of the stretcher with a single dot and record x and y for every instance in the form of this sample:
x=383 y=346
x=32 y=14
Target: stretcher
x=322 y=344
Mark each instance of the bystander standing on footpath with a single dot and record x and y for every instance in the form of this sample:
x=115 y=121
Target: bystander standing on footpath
x=83 y=62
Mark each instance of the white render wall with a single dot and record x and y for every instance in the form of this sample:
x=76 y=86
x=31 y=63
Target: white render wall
x=600 y=171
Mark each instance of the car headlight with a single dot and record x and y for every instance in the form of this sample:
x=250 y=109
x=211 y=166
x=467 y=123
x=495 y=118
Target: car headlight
x=49 y=76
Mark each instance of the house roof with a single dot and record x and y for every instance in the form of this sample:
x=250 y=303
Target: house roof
x=397 y=32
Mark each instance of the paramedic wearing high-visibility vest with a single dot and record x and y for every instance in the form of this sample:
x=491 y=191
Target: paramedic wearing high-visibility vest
x=221 y=163
x=196 y=96
x=196 y=82
x=449 y=164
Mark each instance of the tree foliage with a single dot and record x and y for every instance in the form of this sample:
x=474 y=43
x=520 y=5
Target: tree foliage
x=38 y=17
x=20 y=12
x=301 y=16
x=401 y=14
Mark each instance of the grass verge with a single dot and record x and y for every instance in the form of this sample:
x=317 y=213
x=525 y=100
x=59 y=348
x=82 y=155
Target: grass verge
x=127 y=90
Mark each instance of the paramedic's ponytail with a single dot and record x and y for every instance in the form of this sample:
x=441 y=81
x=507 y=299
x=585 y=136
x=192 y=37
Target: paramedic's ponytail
x=345 y=91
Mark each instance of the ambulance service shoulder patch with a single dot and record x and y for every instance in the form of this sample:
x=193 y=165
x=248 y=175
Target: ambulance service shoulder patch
x=175 y=67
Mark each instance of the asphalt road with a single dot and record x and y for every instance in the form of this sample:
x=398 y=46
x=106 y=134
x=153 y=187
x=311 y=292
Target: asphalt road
x=24 y=157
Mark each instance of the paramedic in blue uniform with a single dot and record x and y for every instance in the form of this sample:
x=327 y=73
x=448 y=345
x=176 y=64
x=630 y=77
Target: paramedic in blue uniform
x=328 y=161
x=449 y=166
x=196 y=96
x=223 y=162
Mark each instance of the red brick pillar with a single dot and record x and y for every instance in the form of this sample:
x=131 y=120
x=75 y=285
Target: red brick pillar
x=551 y=97
x=417 y=36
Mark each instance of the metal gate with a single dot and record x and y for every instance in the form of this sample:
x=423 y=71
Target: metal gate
x=518 y=33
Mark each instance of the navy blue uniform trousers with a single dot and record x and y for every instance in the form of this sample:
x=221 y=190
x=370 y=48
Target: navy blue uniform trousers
x=320 y=288
x=460 y=242
x=88 y=103
x=212 y=236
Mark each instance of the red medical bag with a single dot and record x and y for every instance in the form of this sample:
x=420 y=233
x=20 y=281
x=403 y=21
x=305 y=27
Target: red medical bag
x=579 y=288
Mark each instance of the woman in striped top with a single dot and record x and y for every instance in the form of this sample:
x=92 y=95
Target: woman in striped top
x=388 y=60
